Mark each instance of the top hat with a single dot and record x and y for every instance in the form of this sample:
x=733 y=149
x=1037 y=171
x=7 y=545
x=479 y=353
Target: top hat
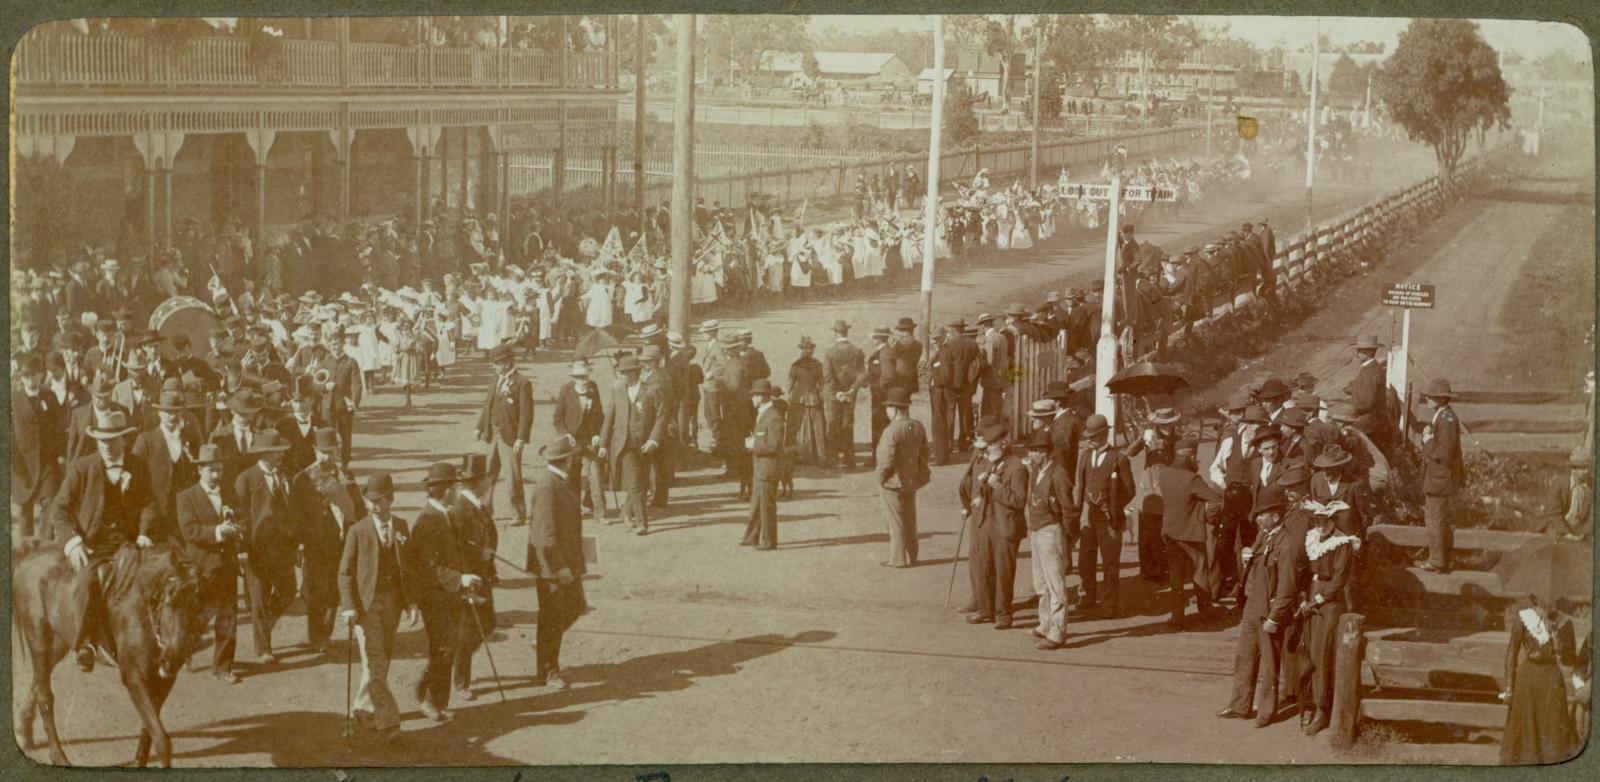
x=629 y=363
x=1270 y=498
x=441 y=472
x=761 y=387
x=560 y=448
x=379 y=485
x=326 y=439
x=896 y=397
x=1438 y=388
x=1042 y=408
x=1333 y=455
x=1164 y=416
x=210 y=453
x=110 y=425
x=905 y=324
x=841 y=327
x=1367 y=342
x=1040 y=440
x=1272 y=389
x=268 y=441
x=1097 y=424
x=473 y=467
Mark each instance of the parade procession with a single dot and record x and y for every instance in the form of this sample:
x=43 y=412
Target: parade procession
x=430 y=376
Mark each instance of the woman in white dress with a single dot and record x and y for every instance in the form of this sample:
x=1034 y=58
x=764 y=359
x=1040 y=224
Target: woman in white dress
x=801 y=261
x=636 y=299
x=1003 y=217
x=774 y=266
x=941 y=240
x=597 y=301
x=1020 y=239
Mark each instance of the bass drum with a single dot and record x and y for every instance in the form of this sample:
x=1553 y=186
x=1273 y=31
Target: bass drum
x=186 y=316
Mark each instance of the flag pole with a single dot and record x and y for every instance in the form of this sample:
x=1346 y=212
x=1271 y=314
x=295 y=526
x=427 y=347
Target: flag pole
x=682 y=178
x=1311 y=118
x=1105 y=363
x=930 y=213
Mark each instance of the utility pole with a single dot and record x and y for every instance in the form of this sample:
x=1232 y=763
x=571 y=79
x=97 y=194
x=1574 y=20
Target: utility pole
x=1311 y=117
x=1211 y=96
x=638 y=114
x=1538 y=129
x=1038 y=68
x=930 y=210
x=682 y=177
x=1105 y=357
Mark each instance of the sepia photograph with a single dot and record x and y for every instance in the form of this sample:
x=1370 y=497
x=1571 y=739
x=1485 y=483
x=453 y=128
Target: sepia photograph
x=674 y=388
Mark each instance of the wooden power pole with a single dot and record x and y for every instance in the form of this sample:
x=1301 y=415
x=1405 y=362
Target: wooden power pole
x=682 y=177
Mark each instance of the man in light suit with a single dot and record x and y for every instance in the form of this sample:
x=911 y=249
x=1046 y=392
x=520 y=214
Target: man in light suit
x=635 y=423
x=506 y=423
x=555 y=558
x=205 y=513
x=902 y=469
x=579 y=413
x=372 y=596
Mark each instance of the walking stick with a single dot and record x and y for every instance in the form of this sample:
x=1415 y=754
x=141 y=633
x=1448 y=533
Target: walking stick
x=473 y=601
x=956 y=560
x=349 y=665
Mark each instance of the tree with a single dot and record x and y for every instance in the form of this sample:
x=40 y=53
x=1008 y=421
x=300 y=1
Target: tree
x=1049 y=97
x=960 y=123
x=1441 y=84
x=997 y=36
x=1076 y=47
x=810 y=67
x=1161 y=42
x=1348 y=80
x=740 y=39
x=655 y=32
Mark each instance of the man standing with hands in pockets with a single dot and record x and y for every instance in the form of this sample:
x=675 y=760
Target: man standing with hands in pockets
x=506 y=423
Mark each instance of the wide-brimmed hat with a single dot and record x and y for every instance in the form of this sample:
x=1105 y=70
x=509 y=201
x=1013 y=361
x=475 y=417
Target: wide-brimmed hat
x=629 y=363
x=1270 y=498
x=1333 y=455
x=111 y=425
x=1042 y=408
x=1294 y=474
x=246 y=402
x=473 y=467
x=984 y=318
x=1040 y=440
x=880 y=331
x=1239 y=401
x=326 y=439
x=1266 y=433
x=995 y=433
x=379 y=485
x=1097 y=424
x=1294 y=417
x=841 y=327
x=1165 y=415
x=1438 y=388
x=1307 y=401
x=897 y=397
x=441 y=472
x=1367 y=342
x=503 y=354
x=560 y=448
x=761 y=387
x=579 y=369
x=170 y=400
x=807 y=344
x=269 y=441
x=905 y=324
x=1305 y=380
x=210 y=453
x=1016 y=310
x=1272 y=389
x=1255 y=414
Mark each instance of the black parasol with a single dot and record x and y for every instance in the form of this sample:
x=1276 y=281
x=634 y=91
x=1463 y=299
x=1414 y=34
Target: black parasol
x=1147 y=378
x=1550 y=569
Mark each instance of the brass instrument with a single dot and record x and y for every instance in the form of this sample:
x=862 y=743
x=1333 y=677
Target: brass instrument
x=321 y=377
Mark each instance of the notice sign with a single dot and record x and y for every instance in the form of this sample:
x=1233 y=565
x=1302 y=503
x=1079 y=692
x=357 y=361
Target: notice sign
x=1131 y=193
x=1408 y=294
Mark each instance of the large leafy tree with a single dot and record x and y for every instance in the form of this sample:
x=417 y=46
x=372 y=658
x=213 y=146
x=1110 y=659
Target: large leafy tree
x=998 y=35
x=1076 y=48
x=1442 y=84
x=1160 y=42
x=740 y=39
x=1348 y=80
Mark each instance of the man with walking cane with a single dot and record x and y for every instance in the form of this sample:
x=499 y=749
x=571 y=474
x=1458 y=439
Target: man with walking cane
x=442 y=583
x=477 y=539
x=372 y=595
x=555 y=557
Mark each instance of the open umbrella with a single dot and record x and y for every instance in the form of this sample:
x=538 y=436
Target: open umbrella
x=1147 y=378
x=1550 y=569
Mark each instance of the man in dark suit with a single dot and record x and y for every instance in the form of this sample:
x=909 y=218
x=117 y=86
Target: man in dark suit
x=79 y=292
x=506 y=423
x=1066 y=428
x=440 y=584
x=902 y=470
x=168 y=453
x=270 y=531
x=555 y=558
x=1442 y=473
x=205 y=513
x=103 y=503
x=1102 y=487
x=1369 y=394
x=766 y=450
x=880 y=372
x=325 y=504
x=1269 y=591
x=1188 y=505
x=659 y=466
x=579 y=413
x=348 y=385
x=634 y=425
x=843 y=372
x=907 y=356
x=299 y=430
x=372 y=596
x=477 y=540
x=997 y=497
x=79 y=443
x=38 y=443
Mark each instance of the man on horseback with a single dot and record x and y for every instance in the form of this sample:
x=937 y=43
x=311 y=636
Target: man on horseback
x=103 y=503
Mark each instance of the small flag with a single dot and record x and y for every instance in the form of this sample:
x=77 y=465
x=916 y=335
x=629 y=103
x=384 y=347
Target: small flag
x=1248 y=127
x=640 y=251
x=612 y=249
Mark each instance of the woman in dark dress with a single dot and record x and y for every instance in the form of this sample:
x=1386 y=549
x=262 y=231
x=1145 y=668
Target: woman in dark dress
x=1330 y=558
x=806 y=431
x=1538 y=726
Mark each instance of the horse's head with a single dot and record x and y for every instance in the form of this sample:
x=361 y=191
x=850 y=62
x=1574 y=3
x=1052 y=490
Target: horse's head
x=174 y=604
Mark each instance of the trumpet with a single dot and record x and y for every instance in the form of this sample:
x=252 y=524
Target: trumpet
x=321 y=377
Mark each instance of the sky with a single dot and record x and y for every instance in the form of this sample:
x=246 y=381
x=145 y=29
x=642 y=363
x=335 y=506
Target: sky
x=1531 y=39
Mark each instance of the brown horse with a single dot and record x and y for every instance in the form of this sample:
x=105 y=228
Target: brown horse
x=151 y=603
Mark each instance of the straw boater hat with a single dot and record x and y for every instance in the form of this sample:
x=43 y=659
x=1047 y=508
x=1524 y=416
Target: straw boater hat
x=1164 y=416
x=111 y=425
x=985 y=318
x=1042 y=408
x=650 y=331
x=676 y=340
x=710 y=326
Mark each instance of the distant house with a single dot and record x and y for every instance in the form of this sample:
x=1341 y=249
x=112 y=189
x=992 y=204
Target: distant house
x=925 y=80
x=982 y=72
x=788 y=68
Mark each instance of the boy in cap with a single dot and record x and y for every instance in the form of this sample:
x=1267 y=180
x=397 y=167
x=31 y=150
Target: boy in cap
x=372 y=595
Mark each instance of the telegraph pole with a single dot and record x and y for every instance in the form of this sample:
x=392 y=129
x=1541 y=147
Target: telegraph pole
x=638 y=115
x=1038 y=67
x=682 y=177
x=930 y=210
x=1105 y=357
x=1311 y=117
